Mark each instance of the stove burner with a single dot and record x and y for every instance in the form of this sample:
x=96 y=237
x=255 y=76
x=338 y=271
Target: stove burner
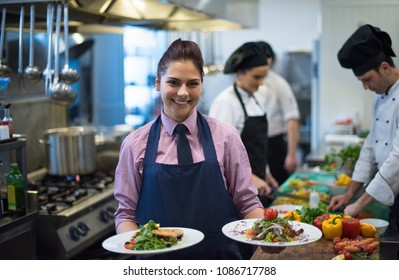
x=57 y=193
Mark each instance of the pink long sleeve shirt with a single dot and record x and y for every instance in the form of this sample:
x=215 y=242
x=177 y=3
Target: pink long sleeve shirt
x=231 y=154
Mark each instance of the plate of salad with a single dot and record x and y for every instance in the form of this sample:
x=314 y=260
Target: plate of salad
x=276 y=232
x=151 y=239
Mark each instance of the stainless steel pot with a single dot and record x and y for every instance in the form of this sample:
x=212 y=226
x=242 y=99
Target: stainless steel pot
x=70 y=150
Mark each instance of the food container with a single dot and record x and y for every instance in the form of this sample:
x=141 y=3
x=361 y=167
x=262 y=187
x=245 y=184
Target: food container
x=70 y=150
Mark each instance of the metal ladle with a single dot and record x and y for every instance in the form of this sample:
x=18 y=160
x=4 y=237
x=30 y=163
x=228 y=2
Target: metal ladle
x=67 y=74
x=5 y=71
x=59 y=91
x=21 y=77
x=32 y=73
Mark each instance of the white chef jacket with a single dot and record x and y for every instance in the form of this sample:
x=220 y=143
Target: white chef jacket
x=227 y=108
x=281 y=104
x=378 y=163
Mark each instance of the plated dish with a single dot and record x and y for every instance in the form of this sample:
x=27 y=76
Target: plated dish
x=116 y=243
x=237 y=231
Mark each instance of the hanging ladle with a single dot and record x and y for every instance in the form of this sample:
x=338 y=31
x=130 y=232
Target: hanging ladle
x=5 y=71
x=59 y=91
x=32 y=73
x=21 y=77
x=67 y=74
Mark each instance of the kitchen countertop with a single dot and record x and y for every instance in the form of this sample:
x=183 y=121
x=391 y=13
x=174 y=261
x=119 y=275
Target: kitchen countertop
x=322 y=249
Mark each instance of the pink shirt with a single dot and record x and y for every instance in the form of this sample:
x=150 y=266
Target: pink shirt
x=231 y=154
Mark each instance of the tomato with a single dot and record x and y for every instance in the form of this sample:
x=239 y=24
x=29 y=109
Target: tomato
x=270 y=213
x=368 y=249
x=337 y=239
x=348 y=256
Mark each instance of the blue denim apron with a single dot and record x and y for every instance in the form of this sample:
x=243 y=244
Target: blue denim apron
x=189 y=195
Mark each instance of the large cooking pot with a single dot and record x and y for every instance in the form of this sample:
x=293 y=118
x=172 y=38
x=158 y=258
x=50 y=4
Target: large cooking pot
x=70 y=150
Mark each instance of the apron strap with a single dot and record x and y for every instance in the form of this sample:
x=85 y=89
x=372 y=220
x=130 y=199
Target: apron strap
x=152 y=143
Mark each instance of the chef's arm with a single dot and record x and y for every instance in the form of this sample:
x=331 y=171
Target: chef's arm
x=126 y=226
x=340 y=201
x=355 y=208
x=290 y=163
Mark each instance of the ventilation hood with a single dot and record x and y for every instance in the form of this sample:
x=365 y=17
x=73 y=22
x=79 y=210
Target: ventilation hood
x=111 y=15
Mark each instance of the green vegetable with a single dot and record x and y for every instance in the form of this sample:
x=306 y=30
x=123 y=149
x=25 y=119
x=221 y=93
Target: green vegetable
x=344 y=158
x=308 y=215
x=147 y=241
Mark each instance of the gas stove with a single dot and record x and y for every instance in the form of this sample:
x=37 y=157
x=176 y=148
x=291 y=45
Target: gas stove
x=74 y=212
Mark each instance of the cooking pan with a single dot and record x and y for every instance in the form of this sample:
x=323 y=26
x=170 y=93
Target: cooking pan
x=70 y=150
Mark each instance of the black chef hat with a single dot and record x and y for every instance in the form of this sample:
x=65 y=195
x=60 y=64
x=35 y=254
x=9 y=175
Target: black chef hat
x=365 y=49
x=247 y=56
x=267 y=49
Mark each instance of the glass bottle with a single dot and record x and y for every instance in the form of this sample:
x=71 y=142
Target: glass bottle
x=3 y=191
x=15 y=190
x=8 y=119
x=314 y=199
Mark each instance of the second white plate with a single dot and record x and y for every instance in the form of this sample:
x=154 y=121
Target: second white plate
x=236 y=231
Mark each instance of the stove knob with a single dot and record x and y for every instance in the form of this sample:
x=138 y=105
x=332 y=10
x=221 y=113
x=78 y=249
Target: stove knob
x=104 y=216
x=74 y=233
x=83 y=228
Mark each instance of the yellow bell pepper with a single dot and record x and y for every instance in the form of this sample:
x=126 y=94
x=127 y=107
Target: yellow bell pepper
x=293 y=216
x=332 y=227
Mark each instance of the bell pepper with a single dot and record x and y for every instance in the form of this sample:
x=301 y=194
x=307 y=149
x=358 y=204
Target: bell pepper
x=319 y=220
x=332 y=227
x=293 y=216
x=350 y=228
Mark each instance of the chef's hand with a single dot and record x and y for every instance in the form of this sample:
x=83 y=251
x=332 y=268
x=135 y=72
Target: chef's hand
x=353 y=209
x=338 y=202
x=290 y=163
x=271 y=180
x=262 y=186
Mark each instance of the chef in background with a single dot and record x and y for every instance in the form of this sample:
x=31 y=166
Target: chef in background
x=368 y=52
x=283 y=118
x=244 y=108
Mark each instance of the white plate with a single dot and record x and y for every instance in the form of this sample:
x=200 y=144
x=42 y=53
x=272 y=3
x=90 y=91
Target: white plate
x=236 y=230
x=116 y=243
x=284 y=208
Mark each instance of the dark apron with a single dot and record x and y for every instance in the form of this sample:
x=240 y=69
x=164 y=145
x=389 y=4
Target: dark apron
x=254 y=137
x=191 y=196
x=276 y=157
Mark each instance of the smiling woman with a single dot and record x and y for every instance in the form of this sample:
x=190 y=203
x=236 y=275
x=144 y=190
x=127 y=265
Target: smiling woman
x=149 y=173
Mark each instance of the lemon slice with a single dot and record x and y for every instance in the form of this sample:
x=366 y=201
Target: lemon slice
x=339 y=257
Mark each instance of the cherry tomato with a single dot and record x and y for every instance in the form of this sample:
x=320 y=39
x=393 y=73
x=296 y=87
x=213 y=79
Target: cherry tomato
x=270 y=214
x=368 y=249
x=337 y=239
x=347 y=255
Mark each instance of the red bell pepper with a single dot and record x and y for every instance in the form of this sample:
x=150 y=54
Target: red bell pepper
x=350 y=228
x=319 y=220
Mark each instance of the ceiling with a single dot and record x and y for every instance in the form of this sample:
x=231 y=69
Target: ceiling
x=111 y=15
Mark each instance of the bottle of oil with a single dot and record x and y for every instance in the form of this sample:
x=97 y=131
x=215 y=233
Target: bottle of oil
x=15 y=190
x=3 y=192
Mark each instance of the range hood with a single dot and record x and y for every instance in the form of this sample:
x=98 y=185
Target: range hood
x=112 y=15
